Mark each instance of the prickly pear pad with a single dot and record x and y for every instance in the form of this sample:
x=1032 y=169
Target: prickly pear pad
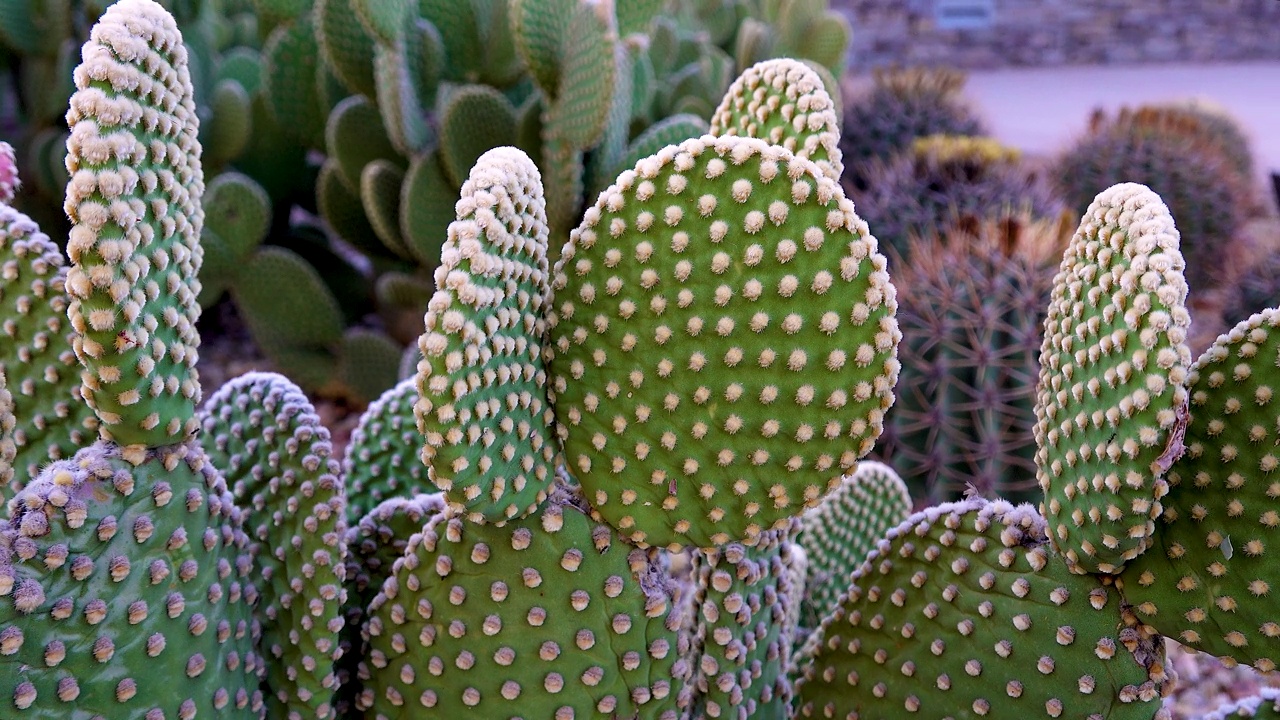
x=276 y=456
x=724 y=343
x=383 y=459
x=1112 y=400
x=483 y=409
x=1207 y=581
x=783 y=102
x=838 y=534
x=134 y=197
x=551 y=616
x=963 y=612
x=126 y=592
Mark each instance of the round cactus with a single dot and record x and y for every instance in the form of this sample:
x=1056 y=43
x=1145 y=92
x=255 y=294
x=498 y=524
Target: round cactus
x=550 y=616
x=126 y=591
x=483 y=407
x=724 y=302
x=962 y=611
x=134 y=197
x=263 y=433
x=1112 y=400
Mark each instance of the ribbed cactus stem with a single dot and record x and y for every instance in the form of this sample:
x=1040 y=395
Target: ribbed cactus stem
x=134 y=198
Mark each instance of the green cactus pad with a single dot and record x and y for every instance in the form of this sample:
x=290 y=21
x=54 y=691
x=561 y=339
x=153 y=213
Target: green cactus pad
x=384 y=19
x=426 y=208
x=355 y=137
x=474 y=119
x=963 y=612
x=671 y=130
x=1207 y=580
x=587 y=75
x=368 y=363
x=265 y=435
x=740 y=332
x=239 y=211
x=341 y=207
x=373 y=546
x=636 y=15
x=126 y=591
x=838 y=533
x=134 y=197
x=380 y=184
x=1112 y=400
x=35 y=350
x=784 y=103
x=743 y=597
x=291 y=61
x=549 y=617
x=565 y=184
x=408 y=75
x=383 y=458
x=539 y=28
x=226 y=134
x=1263 y=706
x=345 y=44
x=484 y=412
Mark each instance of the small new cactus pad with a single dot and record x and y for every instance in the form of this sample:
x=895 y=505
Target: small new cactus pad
x=548 y=617
x=724 y=340
x=962 y=611
x=35 y=350
x=134 y=198
x=838 y=534
x=126 y=591
x=784 y=103
x=1263 y=706
x=483 y=408
x=383 y=459
x=373 y=545
x=742 y=640
x=1207 y=580
x=1112 y=399
x=8 y=449
x=267 y=439
x=9 y=182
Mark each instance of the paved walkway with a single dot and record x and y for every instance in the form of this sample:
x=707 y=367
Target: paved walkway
x=1043 y=110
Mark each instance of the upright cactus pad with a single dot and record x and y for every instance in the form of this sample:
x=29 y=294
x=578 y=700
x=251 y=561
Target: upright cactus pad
x=126 y=591
x=963 y=612
x=1208 y=579
x=483 y=407
x=134 y=197
x=838 y=533
x=1112 y=398
x=265 y=435
x=724 y=340
x=383 y=457
x=548 y=617
x=784 y=103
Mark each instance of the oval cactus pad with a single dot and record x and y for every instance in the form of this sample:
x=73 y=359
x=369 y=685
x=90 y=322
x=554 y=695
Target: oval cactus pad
x=724 y=343
x=1112 y=400
x=483 y=408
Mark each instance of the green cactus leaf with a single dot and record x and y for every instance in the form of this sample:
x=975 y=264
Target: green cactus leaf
x=564 y=181
x=473 y=120
x=784 y=103
x=527 y=620
x=529 y=125
x=1205 y=581
x=962 y=611
x=493 y=274
x=603 y=163
x=276 y=456
x=346 y=46
x=275 y=12
x=380 y=184
x=36 y=351
x=120 y=568
x=426 y=208
x=460 y=30
x=826 y=41
x=137 y=220
x=540 y=29
x=342 y=209
x=735 y=356
x=635 y=16
x=291 y=60
x=244 y=65
x=369 y=363
x=1112 y=400
x=502 y=63
x=230 y=125
x=217 y=269
x=383 y=458
x=408 y=75
x=355 y=137
x=239 y=211
x=384 y=19
x=838 y=533
x=672 y=130
x=754 y=43
x=34 y=27
x=588 y=72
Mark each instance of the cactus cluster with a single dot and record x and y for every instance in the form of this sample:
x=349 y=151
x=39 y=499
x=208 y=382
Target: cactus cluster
x=632 y=444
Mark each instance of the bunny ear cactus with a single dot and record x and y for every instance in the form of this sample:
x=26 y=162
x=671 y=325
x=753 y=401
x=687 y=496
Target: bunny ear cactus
x=1112 y=397
x=266 y=437
x=724 y=302
x=962 y=611
x=383 y=456
x=483 y=409
x=784 y=102
x=1206 y=580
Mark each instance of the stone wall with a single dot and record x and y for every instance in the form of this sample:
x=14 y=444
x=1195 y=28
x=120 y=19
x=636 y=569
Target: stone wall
x=1060 y=32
